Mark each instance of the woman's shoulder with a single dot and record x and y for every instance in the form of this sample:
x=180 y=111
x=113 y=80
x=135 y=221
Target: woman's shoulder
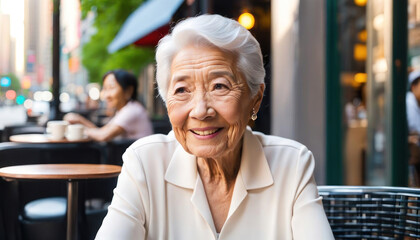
x=132 y=105
x=287 y=159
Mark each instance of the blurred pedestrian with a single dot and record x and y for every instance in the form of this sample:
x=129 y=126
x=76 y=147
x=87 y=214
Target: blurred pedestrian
x=413 y=121
x=130 y=120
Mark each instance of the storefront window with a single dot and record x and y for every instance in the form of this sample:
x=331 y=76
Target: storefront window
x=352 y=39
x=371 y=56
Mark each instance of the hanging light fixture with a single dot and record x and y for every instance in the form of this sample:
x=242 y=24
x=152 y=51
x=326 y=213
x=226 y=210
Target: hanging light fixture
x=360 y=3
x=247 y=20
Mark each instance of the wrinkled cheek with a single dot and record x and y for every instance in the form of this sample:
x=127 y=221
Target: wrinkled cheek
x=179 y=133
x=177 y=123
x=178 y=117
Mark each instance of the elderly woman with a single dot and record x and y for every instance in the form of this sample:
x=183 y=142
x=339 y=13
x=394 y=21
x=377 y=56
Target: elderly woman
x=130 y=120
x=212 y=177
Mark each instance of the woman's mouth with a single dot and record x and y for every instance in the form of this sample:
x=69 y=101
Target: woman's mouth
x=206 y=132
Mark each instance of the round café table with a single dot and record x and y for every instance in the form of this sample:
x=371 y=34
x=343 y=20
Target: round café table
x=43 y=138
x=72 y=173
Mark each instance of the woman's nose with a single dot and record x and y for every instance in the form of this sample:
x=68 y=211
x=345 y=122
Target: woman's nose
x=202 y=109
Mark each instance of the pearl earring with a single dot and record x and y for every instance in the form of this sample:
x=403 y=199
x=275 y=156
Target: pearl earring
x=254 y=115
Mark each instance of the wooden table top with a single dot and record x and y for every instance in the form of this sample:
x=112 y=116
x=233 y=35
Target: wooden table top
x=60 y=171
x=42 y=138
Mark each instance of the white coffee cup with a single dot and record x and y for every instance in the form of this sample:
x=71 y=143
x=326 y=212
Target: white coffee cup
x=75 y=132
x=57 y=129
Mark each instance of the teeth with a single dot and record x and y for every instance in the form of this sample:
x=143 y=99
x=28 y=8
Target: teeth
x=205 y=133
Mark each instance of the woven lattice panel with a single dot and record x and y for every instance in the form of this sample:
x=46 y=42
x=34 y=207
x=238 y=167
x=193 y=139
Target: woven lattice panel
x=372 y=212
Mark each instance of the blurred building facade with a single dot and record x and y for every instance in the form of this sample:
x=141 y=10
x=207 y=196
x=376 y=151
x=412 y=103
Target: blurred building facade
x=37 y=43
x=6 y=63
x=339 y=81
x=336 y=73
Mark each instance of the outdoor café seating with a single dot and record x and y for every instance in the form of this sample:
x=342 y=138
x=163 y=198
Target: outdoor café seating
x=114 y=150
x=354 y=212
x=22 y=201
x=2 y=230
x=361 y=212
x=20 y=129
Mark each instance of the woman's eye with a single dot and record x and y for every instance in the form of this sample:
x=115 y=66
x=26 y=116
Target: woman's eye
x=219 y=86
x=180 y=90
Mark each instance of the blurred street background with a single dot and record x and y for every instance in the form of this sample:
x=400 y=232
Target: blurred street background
x=336 y=70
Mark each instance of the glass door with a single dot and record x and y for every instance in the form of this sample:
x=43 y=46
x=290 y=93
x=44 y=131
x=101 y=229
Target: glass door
x=366 y=78
x=386 y=68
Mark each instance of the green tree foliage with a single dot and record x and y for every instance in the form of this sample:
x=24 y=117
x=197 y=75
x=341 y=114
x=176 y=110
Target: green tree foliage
x=110 y=15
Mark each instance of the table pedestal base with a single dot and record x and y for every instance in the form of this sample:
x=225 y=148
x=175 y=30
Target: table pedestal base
x=72 y=205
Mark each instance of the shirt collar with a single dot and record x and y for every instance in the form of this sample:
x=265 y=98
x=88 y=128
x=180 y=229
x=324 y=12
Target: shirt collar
x=182 y=170
x=254 y=169
x=254 y=166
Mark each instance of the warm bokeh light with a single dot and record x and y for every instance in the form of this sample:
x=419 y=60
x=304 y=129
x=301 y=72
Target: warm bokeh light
x=360 y=77
x=247 y=20
x=26 y=82
x=378 y=22
x=74 y=64
x=20 y=99
x=360 y=3
x=10 y=94
x=28 y=103
x=94 y=93
x=362 y=35
x=64 y=97
x=360 y=52
x=38 y=96
x=380 y=66
x=47 y=96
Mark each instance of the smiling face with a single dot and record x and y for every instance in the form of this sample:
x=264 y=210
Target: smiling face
x=113 y=93
x=209 y=102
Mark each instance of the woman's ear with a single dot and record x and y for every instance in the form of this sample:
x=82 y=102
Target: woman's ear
x=258 y=98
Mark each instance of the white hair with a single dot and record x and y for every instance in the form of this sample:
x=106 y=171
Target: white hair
x=212 y=30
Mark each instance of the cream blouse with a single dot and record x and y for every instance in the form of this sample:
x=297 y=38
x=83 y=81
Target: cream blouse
x=160 y=195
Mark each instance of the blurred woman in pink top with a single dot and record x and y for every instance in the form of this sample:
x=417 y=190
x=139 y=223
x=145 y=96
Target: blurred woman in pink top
x=130 y=121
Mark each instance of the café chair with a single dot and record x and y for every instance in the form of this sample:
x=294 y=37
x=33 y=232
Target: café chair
x=20 y=129
x=115 y=149
x=361 y=212
x=162 y=126
x=2 y=230
x=99 y=192
x=27 y=205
